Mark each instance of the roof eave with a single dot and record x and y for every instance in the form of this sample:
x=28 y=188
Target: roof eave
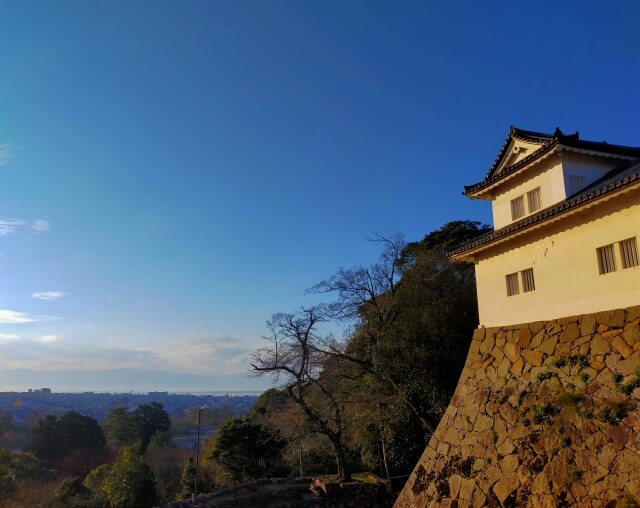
x=477 y=191
x=546 y=217
x=482 y=190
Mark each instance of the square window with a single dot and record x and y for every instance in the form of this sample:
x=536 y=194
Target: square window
x=629 y=253
x=528 y=283
x=517 y=208
x=606 y=259
x=513 y=287
x=533 y=200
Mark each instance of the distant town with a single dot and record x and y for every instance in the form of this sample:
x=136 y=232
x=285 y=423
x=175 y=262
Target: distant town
x=20 y=411
x=97 y=405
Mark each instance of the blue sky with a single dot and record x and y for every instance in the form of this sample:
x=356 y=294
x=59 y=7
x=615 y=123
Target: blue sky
x=172 y=173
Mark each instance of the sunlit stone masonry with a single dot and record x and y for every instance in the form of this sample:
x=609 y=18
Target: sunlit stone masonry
x=545 y=414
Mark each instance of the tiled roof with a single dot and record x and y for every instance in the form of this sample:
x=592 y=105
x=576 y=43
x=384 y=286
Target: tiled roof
x=549 y=142
x=613 y=180
x=521 y=134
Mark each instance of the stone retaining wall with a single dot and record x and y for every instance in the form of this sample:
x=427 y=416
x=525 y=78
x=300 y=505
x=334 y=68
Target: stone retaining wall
x=294 y=493
x=545 y=414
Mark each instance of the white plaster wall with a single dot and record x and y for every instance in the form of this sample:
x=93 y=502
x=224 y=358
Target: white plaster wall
x=563 y=257
x=547 y=175
x=590 y=169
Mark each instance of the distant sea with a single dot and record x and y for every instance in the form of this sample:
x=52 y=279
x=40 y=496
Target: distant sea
x=131 y=381
x=232 y=393
x=218 y=393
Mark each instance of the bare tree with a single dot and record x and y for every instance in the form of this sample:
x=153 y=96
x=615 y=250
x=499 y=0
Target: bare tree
x=313 y=378
x=366 y=290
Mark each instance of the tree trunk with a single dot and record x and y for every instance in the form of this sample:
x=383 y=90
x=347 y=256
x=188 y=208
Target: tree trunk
x=344 y=472
x=384 y=460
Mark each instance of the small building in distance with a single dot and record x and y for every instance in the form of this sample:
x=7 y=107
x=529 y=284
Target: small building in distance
x=566 y=216
x=40 y=390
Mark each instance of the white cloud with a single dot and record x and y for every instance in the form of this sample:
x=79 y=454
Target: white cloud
x=201 y=354
x=191 y=355
x=8 y=226
x=13 y=317
x=6 y=153
x=50 y=352
x=41 y=225
x=48 y=295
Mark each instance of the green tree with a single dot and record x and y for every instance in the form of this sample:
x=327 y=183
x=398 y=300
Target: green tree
x=81 y=431
x=94 y=483
x=187 y=478
x=96 y=477
x=126 y=427
x=23 y=466
x=151 y=419
x=436 y=313
x=413 y=312
x=21 y=473
x=54 y=437
x=444 y=239
x=121 y=427
x=130 y=482
x=383 y=389
x=46 y=440
x=385 y=433
x=71 y=493
x=166 y=461
x=268 y=404
x=244 y=451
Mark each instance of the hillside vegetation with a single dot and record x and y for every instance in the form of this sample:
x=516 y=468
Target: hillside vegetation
x=371 y=399
x=367 y=399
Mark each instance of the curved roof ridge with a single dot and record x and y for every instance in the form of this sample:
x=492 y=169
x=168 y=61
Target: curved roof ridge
x=526 y=135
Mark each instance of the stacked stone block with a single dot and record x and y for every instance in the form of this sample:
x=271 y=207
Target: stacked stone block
x=545 y=414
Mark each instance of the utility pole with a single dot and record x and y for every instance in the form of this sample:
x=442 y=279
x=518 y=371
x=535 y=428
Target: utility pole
x=195 y=479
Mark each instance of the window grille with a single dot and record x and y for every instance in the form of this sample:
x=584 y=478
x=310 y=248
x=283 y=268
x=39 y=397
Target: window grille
x=533 y=200
x=576 y=182
x=606 y=259
x=517 y=208
x=629 y=253
x=513 y=287
x=528 y=283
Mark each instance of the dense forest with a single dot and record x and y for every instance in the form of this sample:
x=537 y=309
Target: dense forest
x=364 y=399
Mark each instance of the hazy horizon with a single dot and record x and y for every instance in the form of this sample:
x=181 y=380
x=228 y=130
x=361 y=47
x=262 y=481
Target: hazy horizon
x=125 y=381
